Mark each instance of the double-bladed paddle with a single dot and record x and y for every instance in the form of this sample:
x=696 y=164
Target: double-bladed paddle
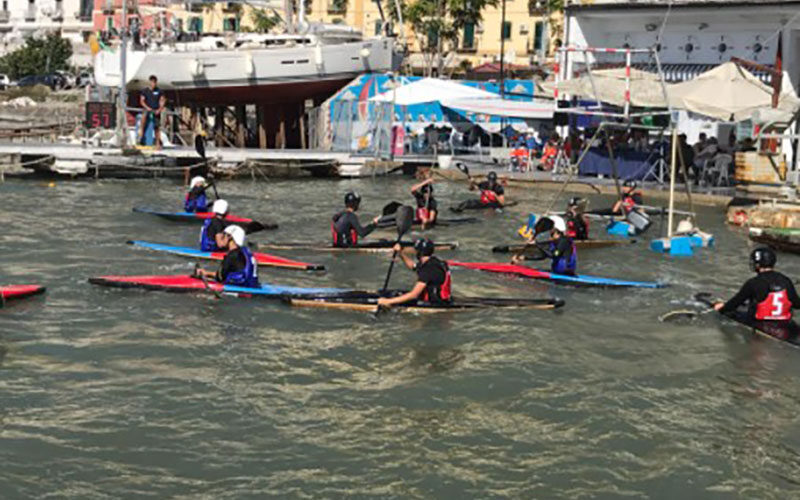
x=404 y=218
x=542 y=225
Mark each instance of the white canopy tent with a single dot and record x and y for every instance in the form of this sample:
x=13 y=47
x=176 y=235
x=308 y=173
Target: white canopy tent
x=496 y=106
x=430 y=90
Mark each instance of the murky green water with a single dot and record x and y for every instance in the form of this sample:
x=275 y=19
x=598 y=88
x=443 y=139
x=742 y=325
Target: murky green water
x=119 y=393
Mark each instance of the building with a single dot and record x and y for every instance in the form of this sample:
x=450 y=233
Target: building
x=20 y=19
x=525 y=31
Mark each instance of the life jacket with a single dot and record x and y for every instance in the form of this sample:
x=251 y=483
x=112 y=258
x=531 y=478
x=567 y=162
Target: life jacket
x=563 y=264
x=776 y=307
x=343 y=239
x=488 y=196
x=247 y=277
x=207 y=243
x=574 y=229
x=197 y=203
x=438 y=293
x=628 y=202
x=422 y=213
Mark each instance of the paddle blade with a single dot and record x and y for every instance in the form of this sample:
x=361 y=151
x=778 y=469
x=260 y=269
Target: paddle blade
x=200 y=146
x=544 y=224
x=256 y=226
x=463 y=168
x=405 y=219
x=391 y=208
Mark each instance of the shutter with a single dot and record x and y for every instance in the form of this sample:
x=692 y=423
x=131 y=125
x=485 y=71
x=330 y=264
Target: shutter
x=538 y=38
x=506 y=30
x=469 y=36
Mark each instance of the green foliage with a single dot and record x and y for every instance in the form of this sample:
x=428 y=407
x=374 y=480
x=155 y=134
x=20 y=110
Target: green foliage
x=38 y=56
x=264 y=21
x=38 y=92
x=545 y=6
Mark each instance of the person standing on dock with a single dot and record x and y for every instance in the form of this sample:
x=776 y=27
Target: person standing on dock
x=345 y=227
x=153 y=101
x=770 y=295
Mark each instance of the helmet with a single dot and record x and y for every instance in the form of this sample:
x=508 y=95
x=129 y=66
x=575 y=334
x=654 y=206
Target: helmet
x=491 y=176
x=352 y=200
x=630 y=183
x=197 y=181
x=762 y=258
x=558 y=223
x=237 y=233
x=424 y=246
x=220 y=207
x=576 y=201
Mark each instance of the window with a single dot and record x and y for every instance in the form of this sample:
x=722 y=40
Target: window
x=538 y=36
x=469 y=36
x=5 y=5
x=196 y=24
x=231 y=24
x=109 y=23
x=378 y=26
x=506 y=30
x=433 y=37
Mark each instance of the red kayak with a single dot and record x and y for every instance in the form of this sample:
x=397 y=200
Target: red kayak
x=529 y=272
x=12 y=292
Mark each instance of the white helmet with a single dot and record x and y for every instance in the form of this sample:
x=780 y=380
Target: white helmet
x=237 y=233
x=558 y=223
x=220 y=207
x=197 y=181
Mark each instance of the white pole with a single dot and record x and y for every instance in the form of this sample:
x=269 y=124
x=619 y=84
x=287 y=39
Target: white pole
x=123 y=98
x=301 y=14
x=672 y=181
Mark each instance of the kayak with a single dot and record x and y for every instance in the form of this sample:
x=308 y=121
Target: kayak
x=366 y=247
x=249 y=225
x=482 y=207
x=187 y=284
x=581 y=244
x=262 y=259
x=782 y=242
x=14 y=292
x=440 y=221
x=786 y=331
x=777 y=231
x=370 y=304
x=529 y=272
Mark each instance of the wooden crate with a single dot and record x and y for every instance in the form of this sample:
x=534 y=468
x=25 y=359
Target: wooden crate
x=757 y=168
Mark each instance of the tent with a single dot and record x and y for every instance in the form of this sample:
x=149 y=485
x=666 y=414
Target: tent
x=609 y=87
x=502 y=107
x=430 y=90
x=730 y=92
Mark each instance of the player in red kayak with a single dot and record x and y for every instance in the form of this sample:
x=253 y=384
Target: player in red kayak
x=427 y=207
x=212 y=233
x=433 y=276
x=345 y=227
x=196 y=200
x=561 y=249
x=239 y=267
x=769 y=295
x=492 y=194
x=630 y=198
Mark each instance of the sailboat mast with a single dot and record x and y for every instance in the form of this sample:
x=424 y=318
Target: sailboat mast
x=123 y=58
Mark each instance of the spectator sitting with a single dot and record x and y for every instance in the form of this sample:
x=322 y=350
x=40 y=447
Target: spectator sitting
x=700 y=144
x=706 y=154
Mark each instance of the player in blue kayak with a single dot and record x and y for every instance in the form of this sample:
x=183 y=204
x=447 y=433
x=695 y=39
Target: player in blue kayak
x=212 y=233
x=239 y=267
x=196 y=200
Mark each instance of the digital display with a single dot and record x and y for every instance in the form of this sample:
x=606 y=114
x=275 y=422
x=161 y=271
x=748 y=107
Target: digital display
x=101 y=115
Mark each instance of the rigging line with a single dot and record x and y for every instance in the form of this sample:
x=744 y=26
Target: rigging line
x=778 y=31
x=664 y=22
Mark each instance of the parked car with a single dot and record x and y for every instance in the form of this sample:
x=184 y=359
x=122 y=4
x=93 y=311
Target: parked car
x=68 y=79
x=85 y=78
x=51 y=81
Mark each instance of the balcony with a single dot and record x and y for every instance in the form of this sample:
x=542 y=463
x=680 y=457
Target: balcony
x=5 y=16
x=30 y=14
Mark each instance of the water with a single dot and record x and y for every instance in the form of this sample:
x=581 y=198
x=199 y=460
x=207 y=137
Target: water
x=121 y=393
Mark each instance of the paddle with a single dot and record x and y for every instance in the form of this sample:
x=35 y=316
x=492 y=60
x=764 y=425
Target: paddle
x=404 y=220
x=704 y=298
x=542 y=225
x=204 y=279
x=256 y=226
x=389 y=211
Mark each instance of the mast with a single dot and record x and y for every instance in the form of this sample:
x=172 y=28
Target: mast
x=123 y=57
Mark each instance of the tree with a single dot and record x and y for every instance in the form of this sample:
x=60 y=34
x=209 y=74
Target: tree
x=264 y=21
x=438 y=25
x=39 y=56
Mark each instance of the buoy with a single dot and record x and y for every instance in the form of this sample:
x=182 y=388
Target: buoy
x=51 y=185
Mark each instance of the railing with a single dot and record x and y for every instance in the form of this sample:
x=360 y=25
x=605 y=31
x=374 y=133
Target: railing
x=4 y=16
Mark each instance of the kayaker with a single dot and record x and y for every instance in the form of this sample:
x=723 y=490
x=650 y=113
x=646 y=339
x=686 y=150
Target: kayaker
x=427 y=207
x=577 y=222
x=345 y=227
x=492 y=194
x=630 y=198
x=211 y=235
x=561 y=249
x=196 y=200
x=769 y=295
x=239 y=267
x=433 y=276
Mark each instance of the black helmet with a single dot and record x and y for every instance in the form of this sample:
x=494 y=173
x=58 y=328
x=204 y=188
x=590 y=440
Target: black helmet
x=492 y=177
x=575 y=201
x=762 y=258
x=424 y=246
x=352 y=200
x=630 y=183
